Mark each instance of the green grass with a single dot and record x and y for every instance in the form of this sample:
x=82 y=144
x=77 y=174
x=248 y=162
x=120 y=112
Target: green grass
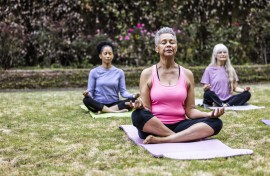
x=46 y=133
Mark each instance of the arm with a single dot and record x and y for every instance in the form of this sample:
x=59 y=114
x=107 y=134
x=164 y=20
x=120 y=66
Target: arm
x=122 y=86
x=238 y=89
x=90 y=85
x=145 y=86
x=190 y=107
x=205 y=81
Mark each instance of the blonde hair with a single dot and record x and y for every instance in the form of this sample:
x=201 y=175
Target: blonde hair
x=228 y=66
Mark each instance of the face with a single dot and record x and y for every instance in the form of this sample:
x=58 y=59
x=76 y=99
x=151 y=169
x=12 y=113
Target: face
x=167 y=45
x=106 y=55
x=221 y=55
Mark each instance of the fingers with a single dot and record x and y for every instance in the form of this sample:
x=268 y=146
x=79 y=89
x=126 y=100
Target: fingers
x=136 y=95
x=207 y=87
x=85 y=93
x=247 y=88
x=217 y=112
x=137 y=104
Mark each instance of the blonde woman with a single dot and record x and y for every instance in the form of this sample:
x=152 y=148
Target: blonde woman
x=220 y=81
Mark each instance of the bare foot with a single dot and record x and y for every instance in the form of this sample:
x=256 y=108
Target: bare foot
x=119 y=111
x=122 y=110
x=99 y=112
x=152 y=140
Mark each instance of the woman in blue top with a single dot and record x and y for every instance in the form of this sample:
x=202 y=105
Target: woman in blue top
x=105 y=82
x=220 y=81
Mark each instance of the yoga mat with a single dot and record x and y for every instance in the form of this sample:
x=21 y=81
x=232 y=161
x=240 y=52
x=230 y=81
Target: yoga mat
x=204 y=149
x=240 y=108
x=107 y=115
x=198 y=102
x=267 y=122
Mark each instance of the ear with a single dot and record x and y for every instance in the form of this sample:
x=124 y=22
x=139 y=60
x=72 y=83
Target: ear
x=99 y=56
x=156 y=49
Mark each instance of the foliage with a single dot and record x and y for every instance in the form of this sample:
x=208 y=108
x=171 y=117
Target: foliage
x=46 y=133
x=11 y=45
x=58 y=33
x=77 y=78
x=136 y=45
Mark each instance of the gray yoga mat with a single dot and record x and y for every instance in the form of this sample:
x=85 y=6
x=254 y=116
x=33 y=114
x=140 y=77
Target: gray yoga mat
x=204 y=149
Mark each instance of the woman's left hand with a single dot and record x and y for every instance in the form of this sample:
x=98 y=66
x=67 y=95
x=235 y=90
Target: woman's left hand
x=216 y=113
x=247 y=89
x=136 y=95
x=86 y=93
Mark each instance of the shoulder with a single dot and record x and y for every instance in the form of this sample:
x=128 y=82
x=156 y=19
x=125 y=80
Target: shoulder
x=209 y=68
x=147 y=71
x=94 y=70
x=188 y=76
x=118 y=71
x=187 y=72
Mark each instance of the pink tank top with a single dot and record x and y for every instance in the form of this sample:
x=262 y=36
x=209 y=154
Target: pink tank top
x=168 y=101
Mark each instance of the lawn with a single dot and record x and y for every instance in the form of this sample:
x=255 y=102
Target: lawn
x=46 y=133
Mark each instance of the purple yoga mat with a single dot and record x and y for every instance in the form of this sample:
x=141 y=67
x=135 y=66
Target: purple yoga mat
x=267 y=122
x=205 y=149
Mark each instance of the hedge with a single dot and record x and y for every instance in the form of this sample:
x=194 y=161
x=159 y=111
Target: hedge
x=77 y=78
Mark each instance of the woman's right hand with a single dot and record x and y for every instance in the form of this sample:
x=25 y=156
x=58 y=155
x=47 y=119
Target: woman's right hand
x=137 y=104
x=216 y=113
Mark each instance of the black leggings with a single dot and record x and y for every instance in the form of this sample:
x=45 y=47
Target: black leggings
x=96 y=106
x=211 y=97
x=141 y=116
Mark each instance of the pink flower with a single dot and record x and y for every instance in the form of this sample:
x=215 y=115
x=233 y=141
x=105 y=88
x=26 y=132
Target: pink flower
x=120 y=37
x=139 y=26
x=127 y=37
x=236 y=24
x=130 y=30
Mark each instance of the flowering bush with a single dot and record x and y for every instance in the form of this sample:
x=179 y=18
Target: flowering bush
x=136 y=45
x=11 y=45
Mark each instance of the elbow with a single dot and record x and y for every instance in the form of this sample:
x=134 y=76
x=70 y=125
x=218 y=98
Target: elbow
x=189 y=115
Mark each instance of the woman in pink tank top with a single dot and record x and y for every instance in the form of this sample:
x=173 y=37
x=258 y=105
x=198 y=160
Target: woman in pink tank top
x=165 y=111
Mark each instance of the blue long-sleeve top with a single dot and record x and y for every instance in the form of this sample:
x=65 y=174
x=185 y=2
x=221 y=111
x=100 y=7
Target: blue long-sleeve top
x=104 y=85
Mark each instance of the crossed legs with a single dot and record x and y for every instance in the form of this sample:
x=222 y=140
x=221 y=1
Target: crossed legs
x=195 y=132
x=153 y=130
x=95 y=106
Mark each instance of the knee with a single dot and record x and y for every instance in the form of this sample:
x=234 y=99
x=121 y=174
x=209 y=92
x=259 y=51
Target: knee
x=140 y=117
x=247 y=94
x=86 y=100
x=208 y=93
x=218 y=124
x=136 y=117
x=122 y=105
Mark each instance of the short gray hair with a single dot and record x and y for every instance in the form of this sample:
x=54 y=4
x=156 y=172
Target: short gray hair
x=164 y=30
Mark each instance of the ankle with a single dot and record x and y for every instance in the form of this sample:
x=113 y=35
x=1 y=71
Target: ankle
x=225 y=105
